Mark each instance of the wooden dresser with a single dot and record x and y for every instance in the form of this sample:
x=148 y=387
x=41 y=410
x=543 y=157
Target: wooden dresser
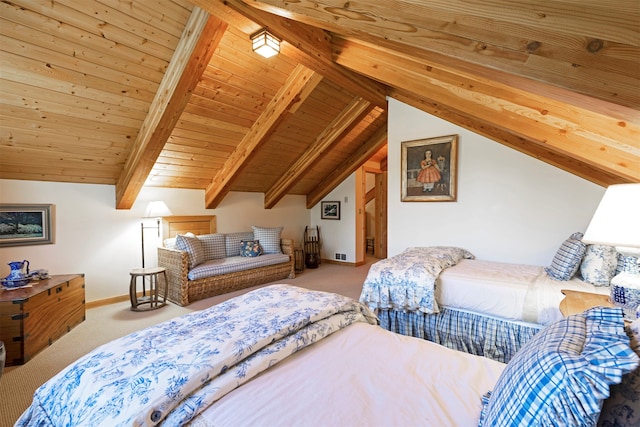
x=33 y=318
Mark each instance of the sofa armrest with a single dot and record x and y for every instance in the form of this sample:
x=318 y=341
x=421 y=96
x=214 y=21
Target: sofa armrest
x=287 y=248
x=177 y=265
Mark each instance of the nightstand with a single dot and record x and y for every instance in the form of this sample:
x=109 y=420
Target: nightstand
x=577 y=301
x=151 y=301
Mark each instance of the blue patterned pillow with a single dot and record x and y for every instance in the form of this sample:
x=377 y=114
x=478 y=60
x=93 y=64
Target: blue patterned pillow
x=628 y=264
x=562 y=375
x=567 y=260
x=193 y=247
x=599 y=264
x=622 y=408
x=250 y=248
x=269 y=238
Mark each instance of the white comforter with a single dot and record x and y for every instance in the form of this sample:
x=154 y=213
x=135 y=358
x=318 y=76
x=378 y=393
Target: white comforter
x=517 y=292
x=362 y=375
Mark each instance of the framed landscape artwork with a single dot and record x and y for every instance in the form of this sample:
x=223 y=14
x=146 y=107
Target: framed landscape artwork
x=429 y=169
x=25 y=224
x=330 y=210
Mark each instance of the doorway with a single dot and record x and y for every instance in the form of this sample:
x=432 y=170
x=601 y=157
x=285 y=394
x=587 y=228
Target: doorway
x=371 y=221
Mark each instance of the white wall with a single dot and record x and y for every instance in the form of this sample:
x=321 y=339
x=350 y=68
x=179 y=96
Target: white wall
x=338 y=236
x=94 y=238
x=510 y=207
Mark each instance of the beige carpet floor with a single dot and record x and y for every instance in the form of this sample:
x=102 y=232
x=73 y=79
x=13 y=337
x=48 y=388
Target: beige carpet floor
x=103 y=324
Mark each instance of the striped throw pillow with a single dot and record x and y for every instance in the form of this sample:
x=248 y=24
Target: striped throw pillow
x=567 y=259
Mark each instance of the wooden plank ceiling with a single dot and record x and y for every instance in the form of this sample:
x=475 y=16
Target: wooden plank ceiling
x=168 y=92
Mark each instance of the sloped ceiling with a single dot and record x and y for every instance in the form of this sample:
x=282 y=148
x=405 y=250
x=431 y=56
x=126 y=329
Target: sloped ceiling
x=168 y=93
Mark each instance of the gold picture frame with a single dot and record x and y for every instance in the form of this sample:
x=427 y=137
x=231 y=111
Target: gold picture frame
x=429 y=169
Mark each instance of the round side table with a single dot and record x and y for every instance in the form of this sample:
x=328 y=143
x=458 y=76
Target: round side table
x=149 y=300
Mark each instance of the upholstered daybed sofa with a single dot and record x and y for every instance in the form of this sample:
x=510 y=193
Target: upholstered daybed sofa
x=206 y=265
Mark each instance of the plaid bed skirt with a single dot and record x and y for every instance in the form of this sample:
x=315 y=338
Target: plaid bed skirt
x=463 y=331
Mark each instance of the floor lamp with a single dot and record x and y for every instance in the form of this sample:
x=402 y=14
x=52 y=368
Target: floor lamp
x=156 y=210
x=616 y=222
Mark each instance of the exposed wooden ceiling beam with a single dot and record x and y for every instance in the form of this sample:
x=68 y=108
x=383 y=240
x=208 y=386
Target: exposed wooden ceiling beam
x=306 y=45
x=356 y=108
x=559 y=126
x=349 y=166
x=297 y=88
x=572 y=45
x=520 y=143
x=199 y=40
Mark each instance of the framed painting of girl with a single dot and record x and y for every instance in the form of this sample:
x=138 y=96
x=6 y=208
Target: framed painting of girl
x=429 y=169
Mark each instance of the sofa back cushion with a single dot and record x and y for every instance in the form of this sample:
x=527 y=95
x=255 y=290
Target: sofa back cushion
x=193 y=247
x=233 y=242
x=269 y=238
x=214 y=245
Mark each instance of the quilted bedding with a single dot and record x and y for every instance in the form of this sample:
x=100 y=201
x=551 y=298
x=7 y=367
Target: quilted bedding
x=172 y=371
x=407 y=281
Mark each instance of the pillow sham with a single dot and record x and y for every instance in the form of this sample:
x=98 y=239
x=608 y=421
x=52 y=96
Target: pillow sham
x=562 y=375
x=193 y=247
x=250 y=248
x=599 y=264
x=567 y=259
x=618 y=409
x=269 y=238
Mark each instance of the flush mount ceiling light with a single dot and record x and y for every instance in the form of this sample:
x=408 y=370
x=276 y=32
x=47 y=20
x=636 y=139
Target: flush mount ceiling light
x=264 y=43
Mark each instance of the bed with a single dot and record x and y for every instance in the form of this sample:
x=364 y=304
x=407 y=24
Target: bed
x=283 y=355
x=443 y=294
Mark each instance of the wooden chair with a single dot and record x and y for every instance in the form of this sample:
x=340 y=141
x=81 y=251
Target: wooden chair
x=312 y=246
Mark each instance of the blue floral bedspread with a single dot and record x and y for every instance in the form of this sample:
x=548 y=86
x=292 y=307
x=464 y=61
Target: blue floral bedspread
x=170 y=372
x=406 y=281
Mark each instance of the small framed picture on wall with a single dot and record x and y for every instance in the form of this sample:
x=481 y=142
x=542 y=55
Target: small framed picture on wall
x=25 y=224
x=330 y=210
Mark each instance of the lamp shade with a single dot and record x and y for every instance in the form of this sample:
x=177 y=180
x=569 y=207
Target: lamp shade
x=156 y=210
x=616 y=222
